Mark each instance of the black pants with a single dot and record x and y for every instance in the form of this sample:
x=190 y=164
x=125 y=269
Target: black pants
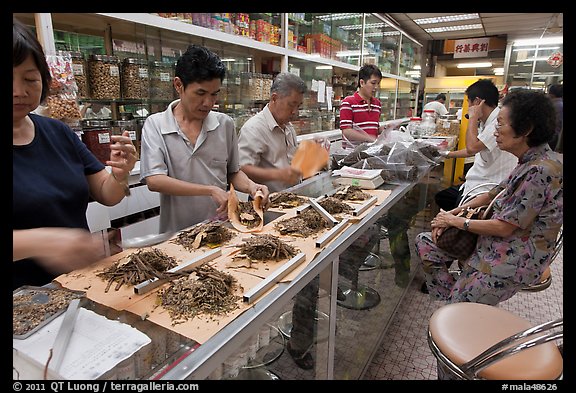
x=448 y=198
x=302 y=334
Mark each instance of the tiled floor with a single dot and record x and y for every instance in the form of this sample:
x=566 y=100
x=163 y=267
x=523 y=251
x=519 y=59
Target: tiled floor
x=405 y=354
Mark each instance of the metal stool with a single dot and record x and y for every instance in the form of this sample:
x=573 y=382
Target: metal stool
x=478 y=341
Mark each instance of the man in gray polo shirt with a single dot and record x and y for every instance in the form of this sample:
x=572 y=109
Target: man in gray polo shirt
x=190 y=153
x=267 y=141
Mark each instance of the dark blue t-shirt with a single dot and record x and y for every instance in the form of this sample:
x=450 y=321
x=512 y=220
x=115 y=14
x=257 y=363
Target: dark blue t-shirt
x=50 y=188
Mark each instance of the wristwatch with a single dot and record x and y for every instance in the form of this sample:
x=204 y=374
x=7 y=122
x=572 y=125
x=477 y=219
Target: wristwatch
x=467 y=224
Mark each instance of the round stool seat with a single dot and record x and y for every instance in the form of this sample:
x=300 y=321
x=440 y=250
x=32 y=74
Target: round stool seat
x=462 y=331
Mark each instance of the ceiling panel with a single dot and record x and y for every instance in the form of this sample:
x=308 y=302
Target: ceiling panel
x=513 y=25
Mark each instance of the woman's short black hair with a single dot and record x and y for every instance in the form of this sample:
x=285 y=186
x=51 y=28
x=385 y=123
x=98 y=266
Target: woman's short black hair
x=199 y=64
x=531 y=113
x=25 y=44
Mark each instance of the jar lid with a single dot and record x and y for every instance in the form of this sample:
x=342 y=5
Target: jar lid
x=123 y=123
x=415 y=119
x=429 y=110
x=105 y=58
x=89 y=123
x=132 y=60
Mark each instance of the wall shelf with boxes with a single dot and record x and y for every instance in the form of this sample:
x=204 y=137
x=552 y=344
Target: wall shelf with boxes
x=255 y=47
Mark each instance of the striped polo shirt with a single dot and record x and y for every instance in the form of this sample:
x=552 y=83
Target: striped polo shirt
x=354 y=110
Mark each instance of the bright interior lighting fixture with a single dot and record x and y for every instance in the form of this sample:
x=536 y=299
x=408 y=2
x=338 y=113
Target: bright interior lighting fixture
x=539 y=41
x=324 y=67
x=474 y=65
x=446 y=18
x=453 y=28
x=229 y=60
x=539 y=48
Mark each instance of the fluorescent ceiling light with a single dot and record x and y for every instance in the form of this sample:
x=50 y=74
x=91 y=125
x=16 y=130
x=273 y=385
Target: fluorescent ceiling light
x=539 y=48
x=474 y=65
x=446 y=18
x=532 y=59
x=498 y=69
x=453 y=28
x=539 y=41
x=345 y=53
x=381 y=34
x=368 y=26
x=417 y=67
x=229 y=60
x=338 y=16
x=324 y=67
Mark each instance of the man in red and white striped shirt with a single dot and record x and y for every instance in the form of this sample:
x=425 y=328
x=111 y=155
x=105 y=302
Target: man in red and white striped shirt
x=360 y=112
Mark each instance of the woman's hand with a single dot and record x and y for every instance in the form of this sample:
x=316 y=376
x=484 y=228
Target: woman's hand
x=62 y=250
x=123 y=156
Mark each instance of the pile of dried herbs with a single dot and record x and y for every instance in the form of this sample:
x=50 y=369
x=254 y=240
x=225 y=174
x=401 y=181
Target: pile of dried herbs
x=351 y=193
x=286 y=200
x=334 y=205
x=28 y=312
x=144 y=264
x=265 y=248
x=304 y=224
x=211 y=234
x=212 y=293
x=247 y=214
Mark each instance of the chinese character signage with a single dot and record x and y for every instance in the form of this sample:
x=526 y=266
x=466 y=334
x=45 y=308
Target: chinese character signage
x=474 y=47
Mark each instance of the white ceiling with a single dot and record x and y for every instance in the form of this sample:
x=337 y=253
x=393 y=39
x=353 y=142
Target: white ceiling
x=513 y=25
x=509 y=26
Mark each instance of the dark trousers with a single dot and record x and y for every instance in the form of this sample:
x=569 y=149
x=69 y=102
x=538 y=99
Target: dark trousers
x=303 y=332
x=448 y=198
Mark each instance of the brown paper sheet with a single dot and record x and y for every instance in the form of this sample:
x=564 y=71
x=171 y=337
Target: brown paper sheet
x=202 y=327
x=310 y=157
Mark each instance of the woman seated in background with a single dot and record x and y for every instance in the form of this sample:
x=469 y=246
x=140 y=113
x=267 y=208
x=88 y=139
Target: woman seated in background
x=516 y=244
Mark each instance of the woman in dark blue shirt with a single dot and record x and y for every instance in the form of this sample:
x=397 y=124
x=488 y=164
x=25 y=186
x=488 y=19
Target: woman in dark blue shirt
x=54 y=175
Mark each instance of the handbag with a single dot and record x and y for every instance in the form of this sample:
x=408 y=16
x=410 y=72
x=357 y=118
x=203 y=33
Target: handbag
x=458 y=242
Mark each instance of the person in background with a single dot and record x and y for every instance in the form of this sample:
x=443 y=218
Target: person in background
x=189 y=152
x=515 y=246
x=267 y=141
x=360 y=112
x=491 y=164
x=53 y=176
x=95 y=110
x=438 y=105
x=556 y=93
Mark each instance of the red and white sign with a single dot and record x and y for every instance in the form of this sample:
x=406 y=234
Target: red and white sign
x=556 y=59
x=474 y=47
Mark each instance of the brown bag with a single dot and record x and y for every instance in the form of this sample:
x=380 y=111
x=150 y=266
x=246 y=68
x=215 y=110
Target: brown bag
x=458 y=242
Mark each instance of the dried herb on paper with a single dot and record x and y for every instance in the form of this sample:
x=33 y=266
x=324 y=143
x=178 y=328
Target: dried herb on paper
x=334 y=205
x=304 y=224
x=212 y=292
x=247 y=214
x=265 y=248
x=351 y=193
x=211 y=234
x=137 y=267
x=287 y=200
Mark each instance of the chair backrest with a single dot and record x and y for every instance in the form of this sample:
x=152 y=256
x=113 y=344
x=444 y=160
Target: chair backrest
x=472 y=192
x=479 y=341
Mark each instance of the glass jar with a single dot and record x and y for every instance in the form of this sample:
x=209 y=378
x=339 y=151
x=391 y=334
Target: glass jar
x=428 y=124
x=413 y=126
x=80 y=71
x=96 y=136
x=104 y=77
x=135 y=82
x=161 y=81
x=448 y=125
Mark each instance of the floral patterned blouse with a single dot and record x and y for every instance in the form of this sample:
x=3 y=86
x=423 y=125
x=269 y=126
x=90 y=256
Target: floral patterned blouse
x=533 y=202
